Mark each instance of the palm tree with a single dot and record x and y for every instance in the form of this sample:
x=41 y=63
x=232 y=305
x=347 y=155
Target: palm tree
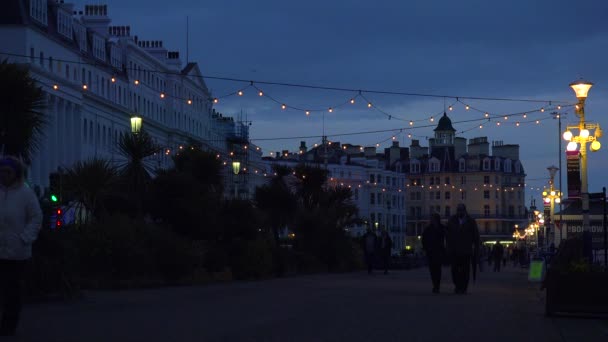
x=21 y=112
x=88 y=182
x=136 y=171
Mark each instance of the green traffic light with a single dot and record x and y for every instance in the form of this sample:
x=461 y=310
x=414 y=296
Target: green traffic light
x=54 y=198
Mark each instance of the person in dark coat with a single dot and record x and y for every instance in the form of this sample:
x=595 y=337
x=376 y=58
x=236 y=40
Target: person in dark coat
x=433 y=242
x=386 y=245
x=497 y=255
x=369 y=248
x=462 y=244
x=20 y=223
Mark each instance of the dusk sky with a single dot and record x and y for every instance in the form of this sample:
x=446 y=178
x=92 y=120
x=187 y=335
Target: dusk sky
x=514 y=49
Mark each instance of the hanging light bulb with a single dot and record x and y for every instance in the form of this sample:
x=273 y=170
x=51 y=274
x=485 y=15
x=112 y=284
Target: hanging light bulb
x=525 y=115
x=498 y=124
x=189 y=101
x=542 y=110
x=559 y=107
x=283 y=106
x=113 y=79
x=517 y=124
x=409 y=136
x=369 y=105
x=85 y=87
x=377 y=145
x=162 y=95
x=216 y=100
x=537 y=122
x=307 y=113
x=467 y=107
x=240 y=93
x=506 y=117
x=352 y=101
x=55 y=87
x=331 y=110
x=432 y=119
x=480 y=126
x=486 y=115
x=136 y=82
x=411 y=123
x=394 y=137
x=261 y=93
x=450 y=108
x=572 y=146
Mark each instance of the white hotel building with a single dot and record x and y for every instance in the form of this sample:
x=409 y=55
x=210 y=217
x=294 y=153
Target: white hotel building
x=88 y=71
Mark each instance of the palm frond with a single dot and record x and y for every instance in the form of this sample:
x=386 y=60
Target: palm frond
x=22 y=119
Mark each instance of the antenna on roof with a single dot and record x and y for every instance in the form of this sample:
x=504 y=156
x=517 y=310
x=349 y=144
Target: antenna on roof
x=187 y=40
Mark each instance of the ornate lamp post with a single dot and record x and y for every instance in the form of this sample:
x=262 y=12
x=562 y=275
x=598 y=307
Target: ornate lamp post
x=552 y=197
x=581 y=89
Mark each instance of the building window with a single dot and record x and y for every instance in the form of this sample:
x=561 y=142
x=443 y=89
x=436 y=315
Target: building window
x=372 y=178
x=497 y=212
x=497 y=164
x=463 y=180
x=438 y=195
x=508 y=165
x=486 y=194
x=496 y=194
x=511 y=211
x=448 y=195
x=486 y=210
x=496 y=180
x=447 y=180
x=32 y=55
x=462 y=166
x=432 y=181
x=415 y=167
x=486 y=227
x=84 y=130
x=448 y=211
x=379 y=179
x=356 y=194
x=372 y=198
x=431 y=210
x=486 y=179
x=486 y=164
x=434 y=166
x=463 y=195
x=51 y=64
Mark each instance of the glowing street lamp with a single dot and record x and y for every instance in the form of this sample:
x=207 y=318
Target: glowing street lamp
x=136 y=122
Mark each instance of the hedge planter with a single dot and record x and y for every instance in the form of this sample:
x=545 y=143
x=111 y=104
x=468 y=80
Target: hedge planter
x=576 y=293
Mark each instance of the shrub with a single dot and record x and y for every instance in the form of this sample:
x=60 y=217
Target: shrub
x=251 y=259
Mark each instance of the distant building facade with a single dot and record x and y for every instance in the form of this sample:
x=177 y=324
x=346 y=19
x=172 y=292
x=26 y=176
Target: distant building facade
x=377 y=191
x=451 y=171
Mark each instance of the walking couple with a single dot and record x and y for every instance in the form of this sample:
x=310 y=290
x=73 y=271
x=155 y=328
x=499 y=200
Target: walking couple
x=459 y=242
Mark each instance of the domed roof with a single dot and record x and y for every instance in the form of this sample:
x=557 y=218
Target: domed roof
x=445 y=124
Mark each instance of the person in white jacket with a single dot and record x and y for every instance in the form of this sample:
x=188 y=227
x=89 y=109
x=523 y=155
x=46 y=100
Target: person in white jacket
x=20 y=222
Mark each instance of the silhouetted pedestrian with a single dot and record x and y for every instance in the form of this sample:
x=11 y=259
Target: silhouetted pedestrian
x=386 y=245
x=462 y=244
x=369 y=248
x=20 y=221
x=497 y=254
x=433 y=242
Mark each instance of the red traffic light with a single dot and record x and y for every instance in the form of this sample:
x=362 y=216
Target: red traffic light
x=58 y=211
x=58 y=224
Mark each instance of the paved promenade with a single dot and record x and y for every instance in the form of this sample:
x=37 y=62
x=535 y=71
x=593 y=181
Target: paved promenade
x=335 y=307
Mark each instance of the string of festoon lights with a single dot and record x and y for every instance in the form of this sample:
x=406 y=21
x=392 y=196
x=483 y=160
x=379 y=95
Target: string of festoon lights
x=357 y=97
